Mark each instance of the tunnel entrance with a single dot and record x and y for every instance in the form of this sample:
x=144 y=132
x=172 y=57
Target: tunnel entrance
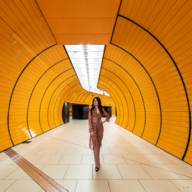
x=80 y=111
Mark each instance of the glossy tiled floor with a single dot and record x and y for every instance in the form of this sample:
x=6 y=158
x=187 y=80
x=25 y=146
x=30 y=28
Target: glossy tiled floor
x=129 y=164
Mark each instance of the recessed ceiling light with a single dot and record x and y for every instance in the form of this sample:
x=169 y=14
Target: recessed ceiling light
x=86 y=60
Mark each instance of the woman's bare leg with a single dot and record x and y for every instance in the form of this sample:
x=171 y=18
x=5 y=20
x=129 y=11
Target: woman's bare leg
x=97 y=155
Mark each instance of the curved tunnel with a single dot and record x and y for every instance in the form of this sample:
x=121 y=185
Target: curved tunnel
x=146 y=70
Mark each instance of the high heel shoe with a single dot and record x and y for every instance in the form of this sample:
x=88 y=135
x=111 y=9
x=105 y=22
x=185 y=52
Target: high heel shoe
x=97 y=169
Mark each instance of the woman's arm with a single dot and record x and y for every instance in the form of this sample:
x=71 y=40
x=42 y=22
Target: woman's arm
x=106 y=114
x=90 y=122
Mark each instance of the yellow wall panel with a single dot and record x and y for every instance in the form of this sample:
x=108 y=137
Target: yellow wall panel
x=145 y=98
x=105 y=84
x=45 y=109
x=54 y=114
x=131 y=94
x=127 y=112
x=157 y=34
x=21 y=40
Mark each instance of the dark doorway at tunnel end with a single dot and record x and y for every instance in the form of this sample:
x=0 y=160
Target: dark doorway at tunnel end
x=80 y=111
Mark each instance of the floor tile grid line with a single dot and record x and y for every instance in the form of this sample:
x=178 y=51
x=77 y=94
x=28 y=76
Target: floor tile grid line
x=49 y=179
x=164 y=169
x=109 y=186
x=66 y=141
x=158 y=166
x=26 y=166
x=10 y=185
x=146 y=172
x=66 y=172
x=81 y=161
x=45 y=182
x=9 y=174
x=27 y=170
x=142 y=185
x=92 y=176
x=76 y=185
x=171 y=180
x=119 y=172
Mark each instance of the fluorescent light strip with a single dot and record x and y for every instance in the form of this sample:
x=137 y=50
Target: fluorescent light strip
x=87 y=60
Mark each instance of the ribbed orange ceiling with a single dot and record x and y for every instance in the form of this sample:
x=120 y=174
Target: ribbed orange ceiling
x=82 y=21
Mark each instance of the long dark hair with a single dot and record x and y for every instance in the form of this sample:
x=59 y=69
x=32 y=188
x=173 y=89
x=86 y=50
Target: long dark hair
x=99 y=105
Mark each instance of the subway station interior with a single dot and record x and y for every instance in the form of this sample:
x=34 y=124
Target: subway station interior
x=56 y=56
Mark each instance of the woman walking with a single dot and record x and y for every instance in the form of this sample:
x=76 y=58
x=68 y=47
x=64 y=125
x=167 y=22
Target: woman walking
x=96 y=128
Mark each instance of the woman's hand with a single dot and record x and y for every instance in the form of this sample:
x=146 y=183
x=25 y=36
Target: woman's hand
x=103 y=121
x=92 y=133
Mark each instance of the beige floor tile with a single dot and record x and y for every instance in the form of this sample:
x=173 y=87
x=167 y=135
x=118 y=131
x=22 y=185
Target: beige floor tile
x=79 y=172
x=140 y=158
x=132 y=162
x=6 y=170
x=89 y=159
x=70 y=159
x=159 y=186
x=180 y=168
x=183 y=185
x=4 y=184
x=40 y=165
x=113 y=159
x=55 y=171
x=133 y=172
x=92 y=186
x=24 y=186
x=125 y=186
x=47 y=159
x=18 y=174
x=160 y=173
x=107 y=172
x=70 y=185
x=5 y=160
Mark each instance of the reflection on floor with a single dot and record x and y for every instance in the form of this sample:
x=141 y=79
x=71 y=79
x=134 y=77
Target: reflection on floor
x=128 y=163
